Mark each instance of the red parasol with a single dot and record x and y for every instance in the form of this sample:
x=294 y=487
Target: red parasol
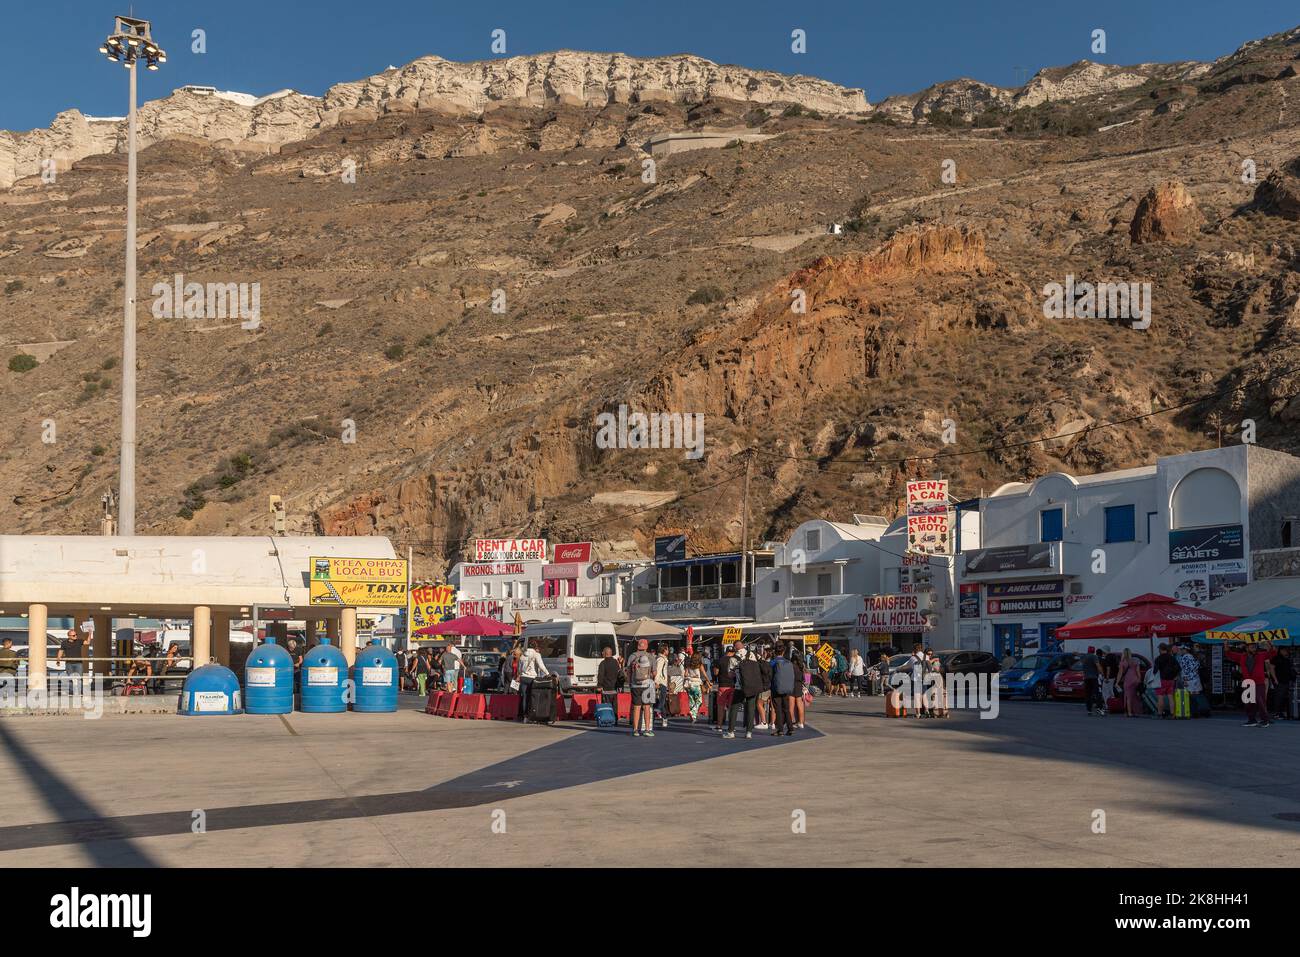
x=1146 y=616
x=467 y=625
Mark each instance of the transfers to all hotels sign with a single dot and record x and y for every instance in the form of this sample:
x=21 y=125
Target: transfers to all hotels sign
x=358 y=582
x=927 y=517
x=509 y=549
x=891 y=613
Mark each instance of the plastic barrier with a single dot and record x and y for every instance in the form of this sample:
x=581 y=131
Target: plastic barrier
x=623 y=705
x=471 y=706
x=503 y=707
x=582 y=707
x=446 y=704
x=431 y=705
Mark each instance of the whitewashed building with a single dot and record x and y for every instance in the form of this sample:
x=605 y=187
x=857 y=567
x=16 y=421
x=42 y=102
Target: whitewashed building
x=1065 y=547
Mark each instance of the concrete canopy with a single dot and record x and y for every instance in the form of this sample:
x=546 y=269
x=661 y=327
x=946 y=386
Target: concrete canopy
x=166 y=576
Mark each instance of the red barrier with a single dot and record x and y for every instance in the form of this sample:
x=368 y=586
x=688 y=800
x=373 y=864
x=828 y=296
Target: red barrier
x=446 y=705
x=623 y=706
x=583 y=707
x=503 y=707
x=431 y=706
x=471 y=706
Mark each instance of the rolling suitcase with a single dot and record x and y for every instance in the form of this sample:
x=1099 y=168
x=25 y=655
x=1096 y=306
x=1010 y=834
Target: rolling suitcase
x=1115 y=705
x=894 y=707
x=1149 y=700
x=1182 y=703
x=604 y=715
x=541 y=702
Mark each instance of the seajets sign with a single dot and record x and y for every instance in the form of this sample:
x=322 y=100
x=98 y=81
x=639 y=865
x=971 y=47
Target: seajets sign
x=102 y=910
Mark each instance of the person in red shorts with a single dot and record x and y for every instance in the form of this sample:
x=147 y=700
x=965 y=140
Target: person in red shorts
x=1168 y=668
x=1255 y=662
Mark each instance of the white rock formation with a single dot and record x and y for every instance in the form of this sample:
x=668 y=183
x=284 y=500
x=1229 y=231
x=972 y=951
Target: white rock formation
x=547 y=79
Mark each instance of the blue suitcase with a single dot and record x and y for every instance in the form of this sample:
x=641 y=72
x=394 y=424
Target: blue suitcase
x=605 y=715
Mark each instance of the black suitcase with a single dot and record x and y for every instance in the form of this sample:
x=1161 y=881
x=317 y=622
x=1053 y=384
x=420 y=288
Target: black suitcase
x=541 y=701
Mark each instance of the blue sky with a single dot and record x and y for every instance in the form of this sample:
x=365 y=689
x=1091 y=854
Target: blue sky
x=883 y=46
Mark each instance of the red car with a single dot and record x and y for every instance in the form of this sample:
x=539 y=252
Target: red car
x=1067 y=684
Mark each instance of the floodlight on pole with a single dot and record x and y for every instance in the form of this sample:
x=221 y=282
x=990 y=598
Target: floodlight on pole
x=129 y=44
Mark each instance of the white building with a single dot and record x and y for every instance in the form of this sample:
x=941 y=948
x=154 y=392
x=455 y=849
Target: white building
x=856 y=584
x=575 y=587
x=1063 y=547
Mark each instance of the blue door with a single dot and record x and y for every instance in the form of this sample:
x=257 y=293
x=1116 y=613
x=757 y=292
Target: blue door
x=1050 y=643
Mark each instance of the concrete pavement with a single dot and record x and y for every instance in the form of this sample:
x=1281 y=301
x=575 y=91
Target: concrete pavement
x=409 y=789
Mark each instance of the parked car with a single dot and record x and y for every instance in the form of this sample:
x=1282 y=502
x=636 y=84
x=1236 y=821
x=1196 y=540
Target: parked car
x=1067 y=682
x=485 y=668
x=1032 y=675
x=957 y=662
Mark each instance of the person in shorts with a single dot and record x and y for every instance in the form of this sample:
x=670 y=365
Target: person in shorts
x=1168 y=668
x=641 y=678
x=450 y=668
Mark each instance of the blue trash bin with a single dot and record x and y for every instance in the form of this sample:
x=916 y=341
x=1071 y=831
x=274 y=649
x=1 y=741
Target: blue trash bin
x=375 y=677
x=268 y=680
x=324 y=679
x=211 y=689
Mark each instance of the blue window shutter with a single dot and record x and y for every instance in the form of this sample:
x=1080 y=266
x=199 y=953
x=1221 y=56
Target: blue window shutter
x=1052 y=524
x=1121 y=524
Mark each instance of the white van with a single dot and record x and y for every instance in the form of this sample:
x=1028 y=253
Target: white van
x=571 y=649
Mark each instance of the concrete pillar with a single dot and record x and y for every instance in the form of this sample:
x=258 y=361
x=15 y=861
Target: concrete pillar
x=309 y=632
x=101 y=643
x=37 y=618
x=348 y=635
x=201 y=635
x=332 y=630
x=221 y=637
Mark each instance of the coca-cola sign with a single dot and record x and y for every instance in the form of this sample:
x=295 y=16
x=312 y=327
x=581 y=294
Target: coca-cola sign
x=573 y=552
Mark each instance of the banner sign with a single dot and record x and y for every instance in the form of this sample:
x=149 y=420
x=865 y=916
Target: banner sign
x=1249 y=637
x=670 y=548
x=891 y=613
x=500 y=568
x=1011 y=558
x=970 y=601
x=825 y=657
x=730 y=636
x=576 y=552
x=1025 y=606
x=1217 y=543
x=358 y=582
x=431 y=605
x=486 y=607
x=509 y=549
x=927 y=517
x=1025 y=589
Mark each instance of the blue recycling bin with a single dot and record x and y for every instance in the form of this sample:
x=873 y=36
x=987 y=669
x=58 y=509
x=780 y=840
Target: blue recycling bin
x=375 y=678
x=211 y=689
x=268 y=680
x=323 y=684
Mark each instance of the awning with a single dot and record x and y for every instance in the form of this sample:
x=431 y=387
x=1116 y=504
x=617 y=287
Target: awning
x=1280 y=625
x=1146 y=616
x=703 y=560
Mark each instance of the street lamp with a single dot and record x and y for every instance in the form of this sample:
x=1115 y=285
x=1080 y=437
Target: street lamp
x=130 y=44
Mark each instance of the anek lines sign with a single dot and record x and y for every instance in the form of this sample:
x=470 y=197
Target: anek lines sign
x=509 y=549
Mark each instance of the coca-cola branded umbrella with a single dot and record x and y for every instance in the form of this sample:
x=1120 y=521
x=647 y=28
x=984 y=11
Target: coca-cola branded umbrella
x=467 y=625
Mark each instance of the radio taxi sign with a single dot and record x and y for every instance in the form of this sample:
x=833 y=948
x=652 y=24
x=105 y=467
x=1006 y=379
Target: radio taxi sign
x=358 y=582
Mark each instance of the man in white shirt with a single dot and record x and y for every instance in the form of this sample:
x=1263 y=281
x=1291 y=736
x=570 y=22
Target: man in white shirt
x=531 y=667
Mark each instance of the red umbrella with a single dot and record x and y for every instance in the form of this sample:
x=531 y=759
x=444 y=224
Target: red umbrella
x=690 y=638
x=468 y=625
x=1149 y=615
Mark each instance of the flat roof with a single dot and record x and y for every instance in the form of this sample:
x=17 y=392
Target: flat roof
x=165 y=575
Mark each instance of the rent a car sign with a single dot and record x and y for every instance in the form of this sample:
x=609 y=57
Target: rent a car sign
x=891 y=613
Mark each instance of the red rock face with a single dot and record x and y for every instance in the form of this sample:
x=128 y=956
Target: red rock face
x=1166 y=214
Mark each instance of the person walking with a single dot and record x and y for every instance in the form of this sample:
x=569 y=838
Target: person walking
x=857 y=670
x=696 y=681
x=1284 y=674
x=782 y=687
x=1129 y=678
x=641 y=676
x=1109 y=669
x=608 y=674
x=1255 y=662
x=531 y=667
x=422 y=668
x=915 y=673
x=1091 y=666
x=1168 y=669
x=725 y=677
x=1189 y=673
x=661 y=684
x=936 y=690
x=749 y=684
x=800 y=686
x=764 y=695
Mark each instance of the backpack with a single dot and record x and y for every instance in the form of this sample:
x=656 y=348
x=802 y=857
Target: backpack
x=643 y=669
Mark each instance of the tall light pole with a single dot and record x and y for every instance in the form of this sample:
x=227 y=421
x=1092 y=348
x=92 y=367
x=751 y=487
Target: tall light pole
x=129 y=44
